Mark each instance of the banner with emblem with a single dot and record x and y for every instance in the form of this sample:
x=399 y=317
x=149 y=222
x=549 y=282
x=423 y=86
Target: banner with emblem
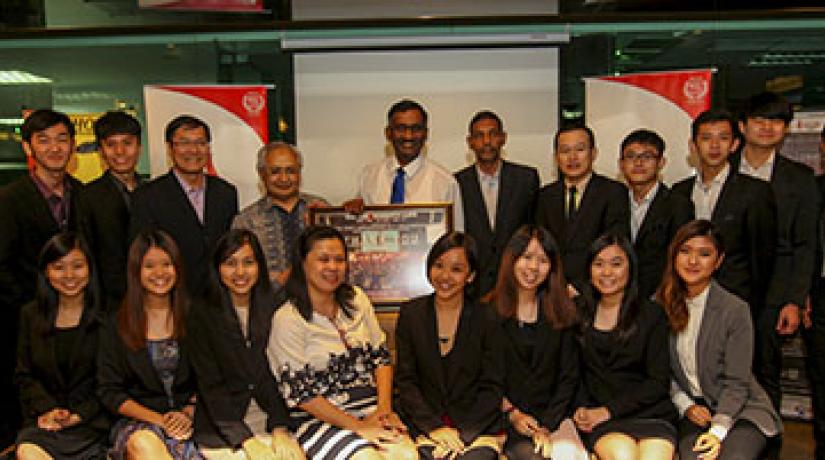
x=665 y=102
x=237 y=116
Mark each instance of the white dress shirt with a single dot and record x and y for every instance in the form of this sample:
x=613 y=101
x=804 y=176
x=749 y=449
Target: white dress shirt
x=425 y=181
x=705 y=196
x=638 y=209
x=763 y=172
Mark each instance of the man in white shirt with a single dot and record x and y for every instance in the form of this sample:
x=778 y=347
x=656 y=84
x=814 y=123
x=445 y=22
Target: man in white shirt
x=407 y=176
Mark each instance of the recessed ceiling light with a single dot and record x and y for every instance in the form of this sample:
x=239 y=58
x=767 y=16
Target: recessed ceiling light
x=20 y=77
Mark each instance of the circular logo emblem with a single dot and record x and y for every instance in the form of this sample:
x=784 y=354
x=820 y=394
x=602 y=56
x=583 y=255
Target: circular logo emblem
x=695 y=88
x=253 y=102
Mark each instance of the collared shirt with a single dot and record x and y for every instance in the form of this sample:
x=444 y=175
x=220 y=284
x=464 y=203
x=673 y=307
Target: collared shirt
x=196 y=195
x=763 y=172
x=705 y=196
x=425 y=182
x=638 y=209
x=580 y=189
x=58 y=205
x=489 y=191
x=125 y=193
x=276 y=229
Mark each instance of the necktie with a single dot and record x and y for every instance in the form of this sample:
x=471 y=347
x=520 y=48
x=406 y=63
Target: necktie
x=571 y=203
x=397 y=196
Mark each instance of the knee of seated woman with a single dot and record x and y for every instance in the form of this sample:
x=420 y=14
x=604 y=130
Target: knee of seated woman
x=29 y=451
x=400 y=451
x=145 y=444
x=617 y=446
x=367 y=454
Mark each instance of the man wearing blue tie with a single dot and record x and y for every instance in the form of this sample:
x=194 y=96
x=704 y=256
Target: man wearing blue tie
x=407 y=176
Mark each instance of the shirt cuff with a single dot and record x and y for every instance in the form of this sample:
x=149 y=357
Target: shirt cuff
x=682 y=402
x=719 y=431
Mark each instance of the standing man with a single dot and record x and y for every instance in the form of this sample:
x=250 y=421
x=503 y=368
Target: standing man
x=105 y=204
x=193 y=208
x=655 y=211
x=741 y=207
x=764 y=125
x=581 y=205
x=281 y=215
x=407 y=176
x=498 y=196
x=33 y=208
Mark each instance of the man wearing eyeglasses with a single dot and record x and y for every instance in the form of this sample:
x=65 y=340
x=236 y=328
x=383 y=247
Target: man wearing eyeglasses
x=655 y=212
x=193 y=208
x=407 y=176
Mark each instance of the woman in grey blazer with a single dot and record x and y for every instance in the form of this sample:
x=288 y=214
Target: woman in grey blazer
x=724 y=412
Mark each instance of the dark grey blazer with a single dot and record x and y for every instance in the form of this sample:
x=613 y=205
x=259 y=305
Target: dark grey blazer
x=724 y=354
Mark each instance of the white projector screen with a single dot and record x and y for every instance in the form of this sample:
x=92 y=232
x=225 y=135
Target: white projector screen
x=342 y=100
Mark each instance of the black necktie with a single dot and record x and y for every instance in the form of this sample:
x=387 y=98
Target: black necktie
x=571 y=203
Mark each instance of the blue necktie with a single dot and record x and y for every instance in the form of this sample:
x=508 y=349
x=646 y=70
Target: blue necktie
x=397 y=196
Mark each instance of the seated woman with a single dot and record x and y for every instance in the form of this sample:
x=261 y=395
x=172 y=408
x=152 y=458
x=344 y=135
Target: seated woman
x=625 y=410
x=449 y=371
x=540 y=354
x=143 y=368
x=725 y=413
x=227 y=335
x=56 y=358
x=328 y=353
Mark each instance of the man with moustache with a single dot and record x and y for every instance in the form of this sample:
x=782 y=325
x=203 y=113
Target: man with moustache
x=105 y=203
x=193 y=208
x=407 y=176
x=581 y=205
x=33 y=208
x=655 y=211
x=281 y=215
x=498 y=195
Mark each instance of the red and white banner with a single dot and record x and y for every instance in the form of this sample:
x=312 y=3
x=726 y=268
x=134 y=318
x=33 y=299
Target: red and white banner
x=664 y=102
x=205 y=5
x=237 y=119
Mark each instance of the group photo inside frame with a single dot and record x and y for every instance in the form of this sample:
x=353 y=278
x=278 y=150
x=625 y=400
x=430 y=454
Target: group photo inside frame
x=388 y=246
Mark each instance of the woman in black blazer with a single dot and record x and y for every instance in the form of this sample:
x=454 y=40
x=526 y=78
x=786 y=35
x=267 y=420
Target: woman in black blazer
x=56 y=358
x=624 y=409
x=143 y=367
x=239 y=408
x=725 y=413
x=449 y=367
x=540 y=355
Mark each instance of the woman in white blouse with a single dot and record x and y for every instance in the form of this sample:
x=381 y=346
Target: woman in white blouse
x=724 y=412
x=328 y=354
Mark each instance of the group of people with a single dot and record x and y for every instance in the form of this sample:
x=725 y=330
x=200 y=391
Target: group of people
x=155 y=320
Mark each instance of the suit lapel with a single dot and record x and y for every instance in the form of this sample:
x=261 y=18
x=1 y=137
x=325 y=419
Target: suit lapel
x=40 y=207
x=707 y=330
x=721 y=207
x=178 y=194
x=505 y=193
x=591 y=193
x=431 y=342
x=477 y=199
x=656 y=206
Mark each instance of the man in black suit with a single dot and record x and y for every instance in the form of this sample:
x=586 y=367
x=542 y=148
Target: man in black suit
x=763 y=126
x=193 y=208
x=33 y=208
x=498 y=196
x=581 y=205
x=815 y=320
x=655 y=211
x=105 y=204
x=742 y=208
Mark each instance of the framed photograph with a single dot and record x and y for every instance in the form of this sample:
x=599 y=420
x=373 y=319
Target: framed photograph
x=388 y=246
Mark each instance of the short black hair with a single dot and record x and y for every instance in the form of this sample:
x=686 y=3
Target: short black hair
x=644 y=137
x=574 y=126
x=116 y=122
x=43 y=119
x=768 y=105
x=451 y=240
x=485 y=115
x=188 y=122
x=405 y=105
x=713 y=116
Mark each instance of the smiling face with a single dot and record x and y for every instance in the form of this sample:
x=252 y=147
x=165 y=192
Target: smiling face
x=486 y=139
x=610 y=271
x=51 y=148
x=239 y=273
x=189 y=149
x=407 y=132
x=121 y=152
x=157 y=272
x=696 y=260
x=532 y=267
x=325 y=266
x=763 y=132
x=714 y=142
x=69 y=275
x=450 y=274
x=575 y=155
x=281 y=174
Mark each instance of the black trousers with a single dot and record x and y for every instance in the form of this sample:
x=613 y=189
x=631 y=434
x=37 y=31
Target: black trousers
x=767 y=354
x=815 y=342
x=744 y=441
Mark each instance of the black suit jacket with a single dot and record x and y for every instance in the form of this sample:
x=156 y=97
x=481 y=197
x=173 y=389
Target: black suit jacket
x=820 y=233
x=43 y=387
x=123 y=374
x=232 y=370
x=797 y=210
x=745 y=215
x=163 y=204
x=516 y=200
x=602 y=208
x=544 y=384
x=104 y=222
x=469 y=392
x=667 y=212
